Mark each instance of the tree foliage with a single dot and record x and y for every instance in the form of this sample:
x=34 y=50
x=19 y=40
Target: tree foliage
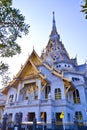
x=84 y=8
x=12 y=26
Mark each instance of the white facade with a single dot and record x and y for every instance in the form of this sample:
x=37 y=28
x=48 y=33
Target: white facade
x=51 y=84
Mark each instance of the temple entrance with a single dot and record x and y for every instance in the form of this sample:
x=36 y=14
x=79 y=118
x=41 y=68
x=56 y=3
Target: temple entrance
x=58 y=119
x=44 y=116
x=31 y=116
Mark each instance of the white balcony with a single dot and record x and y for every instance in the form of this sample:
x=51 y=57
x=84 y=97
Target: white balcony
x=44 y=102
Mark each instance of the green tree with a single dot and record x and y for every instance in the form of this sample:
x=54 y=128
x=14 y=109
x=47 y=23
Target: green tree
x=12 y=26
x=84 y=8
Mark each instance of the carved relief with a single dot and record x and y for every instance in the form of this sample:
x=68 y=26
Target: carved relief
x=30 y=91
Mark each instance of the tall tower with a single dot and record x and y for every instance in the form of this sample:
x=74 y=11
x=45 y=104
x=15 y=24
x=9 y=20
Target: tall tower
x=55 y=52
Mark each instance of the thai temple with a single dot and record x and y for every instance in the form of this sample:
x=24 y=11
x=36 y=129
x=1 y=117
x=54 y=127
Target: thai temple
x=52 y=85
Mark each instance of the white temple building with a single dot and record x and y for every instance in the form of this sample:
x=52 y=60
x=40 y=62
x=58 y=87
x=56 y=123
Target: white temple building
x=51 y=85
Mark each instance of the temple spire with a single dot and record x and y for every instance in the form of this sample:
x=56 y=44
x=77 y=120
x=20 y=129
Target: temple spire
x=55 y=51
x=54 y=23
x=54 y=29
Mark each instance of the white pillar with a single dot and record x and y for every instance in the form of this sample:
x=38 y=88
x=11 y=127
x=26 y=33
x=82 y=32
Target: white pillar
x=38 y=82
x=18 y=92
x=13 y=117
x=38 y=115
x=63 y=93
x=65 y=118
x=39 y=88
x=25 y=116
x=49 y=115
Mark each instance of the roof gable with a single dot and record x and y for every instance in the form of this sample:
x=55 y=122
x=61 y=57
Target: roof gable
x=28 y=70
x=32 y=61
x=35 y=58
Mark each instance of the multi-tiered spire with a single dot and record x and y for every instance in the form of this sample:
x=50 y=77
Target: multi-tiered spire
x=55 y=51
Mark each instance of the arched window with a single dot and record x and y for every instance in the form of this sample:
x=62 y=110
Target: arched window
x=78 y=115
x=57 y=93
x=76 y=96
x=11 y=98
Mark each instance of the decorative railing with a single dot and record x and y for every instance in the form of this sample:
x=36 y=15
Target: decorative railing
x=61 y=102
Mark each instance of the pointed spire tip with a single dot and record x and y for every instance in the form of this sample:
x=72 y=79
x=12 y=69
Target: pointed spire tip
x=53 y=12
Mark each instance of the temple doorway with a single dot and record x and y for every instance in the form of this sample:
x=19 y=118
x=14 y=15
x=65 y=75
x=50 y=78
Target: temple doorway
x=31 y=116
x=58 y=119
x=44 y=116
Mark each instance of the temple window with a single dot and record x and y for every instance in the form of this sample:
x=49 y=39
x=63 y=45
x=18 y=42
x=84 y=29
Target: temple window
x=59 y=65
x=57 y=93
x=11 y=98
x=65 y=65
x=75 y=79
x=78 y=115
x=76 y=96
x=68 y=65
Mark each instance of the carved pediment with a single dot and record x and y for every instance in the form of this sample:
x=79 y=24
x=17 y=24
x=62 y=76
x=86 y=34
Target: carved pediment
x=29 y=70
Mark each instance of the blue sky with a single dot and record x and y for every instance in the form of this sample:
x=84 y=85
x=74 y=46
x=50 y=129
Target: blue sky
x=70 y=23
